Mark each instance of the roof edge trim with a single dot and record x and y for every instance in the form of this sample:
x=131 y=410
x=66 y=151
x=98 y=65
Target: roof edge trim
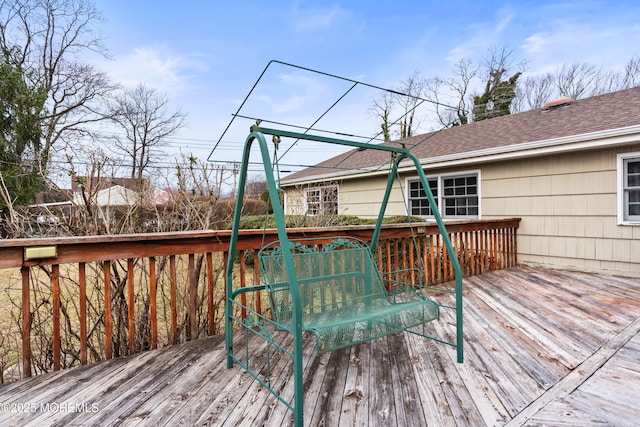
x=589 y=140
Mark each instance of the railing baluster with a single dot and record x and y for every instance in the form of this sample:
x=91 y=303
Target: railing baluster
x=82 y=284
x=173 y=297
x=193 y=298
x=471 y=253
x=243 y=297
x=55 y=307
x=432 y=263
x=445 y=258
x=501 y=243
x=26 y=323
x=412 y=261
x=256 y=281
x=485 y=249
x=131 y=320
x=153 y=303
x=390 y=256
x=108 y=346
x=477 y=253
x=225 y=259
x=211 y=325
x=514 y=247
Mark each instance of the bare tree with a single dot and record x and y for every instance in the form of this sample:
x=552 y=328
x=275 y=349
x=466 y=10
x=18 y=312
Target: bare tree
x=255 y=187
x=532 y=92
x=413 y=88
x=404 y=100
x=141 y=114
x=575 y=80
x=49 y=40
x=381 y=107
x=631 y=73
x=451 y=95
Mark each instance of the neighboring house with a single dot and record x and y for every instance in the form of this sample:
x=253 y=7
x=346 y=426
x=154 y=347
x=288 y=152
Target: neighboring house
x=88 y=183
x=116 y=195
x=570 y=170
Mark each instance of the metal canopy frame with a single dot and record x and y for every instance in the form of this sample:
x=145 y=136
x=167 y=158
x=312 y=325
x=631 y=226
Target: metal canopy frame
x=305 y=131
x=397 y=154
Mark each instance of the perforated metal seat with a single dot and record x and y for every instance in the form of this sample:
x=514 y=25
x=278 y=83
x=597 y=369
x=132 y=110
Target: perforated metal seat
x=344 y=300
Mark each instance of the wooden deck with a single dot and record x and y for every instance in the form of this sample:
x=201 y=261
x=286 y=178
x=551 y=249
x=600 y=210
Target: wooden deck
x=543 y=347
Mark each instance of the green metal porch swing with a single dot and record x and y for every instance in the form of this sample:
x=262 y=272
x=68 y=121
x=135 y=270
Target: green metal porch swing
x=330 y=288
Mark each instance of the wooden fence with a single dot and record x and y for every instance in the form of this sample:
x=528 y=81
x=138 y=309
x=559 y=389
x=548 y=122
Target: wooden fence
x=107 y=296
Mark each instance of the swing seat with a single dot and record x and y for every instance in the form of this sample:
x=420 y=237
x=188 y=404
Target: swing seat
x=343 y=296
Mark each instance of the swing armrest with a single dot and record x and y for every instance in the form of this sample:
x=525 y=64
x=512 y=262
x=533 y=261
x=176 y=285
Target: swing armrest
x=246 y=289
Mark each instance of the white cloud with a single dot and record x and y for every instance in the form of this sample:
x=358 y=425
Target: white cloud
x=291 y=92
x=504 y=23
x=156 y=67
x=317 y=19
x=483 y=36
x=596 y=43
x=536 y=43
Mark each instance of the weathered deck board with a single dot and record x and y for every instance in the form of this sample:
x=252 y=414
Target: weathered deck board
x=543 y=347
x=609 y=397
x=355 y=408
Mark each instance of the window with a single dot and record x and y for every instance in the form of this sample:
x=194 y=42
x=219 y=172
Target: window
x=629 y=188
x=418 y=197
x=460 y=196
x=322 y=200
x=457 y=196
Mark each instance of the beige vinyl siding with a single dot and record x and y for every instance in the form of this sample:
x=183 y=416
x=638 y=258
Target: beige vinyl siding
x=362 y=198
x=567 y=203
x=568 y=207
x=358 y=197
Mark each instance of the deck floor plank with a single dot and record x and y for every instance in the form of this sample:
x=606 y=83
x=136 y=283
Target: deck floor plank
x=381 y=409
x=355 y=407
x=531 y=335
x=543 y=297
x=405 y=387
x=528 y=321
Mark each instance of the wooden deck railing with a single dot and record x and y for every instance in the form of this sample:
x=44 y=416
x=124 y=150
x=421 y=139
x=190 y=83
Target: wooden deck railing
x=78 y=300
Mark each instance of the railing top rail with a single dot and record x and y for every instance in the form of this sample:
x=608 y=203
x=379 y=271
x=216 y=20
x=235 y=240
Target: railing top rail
x=122 y=246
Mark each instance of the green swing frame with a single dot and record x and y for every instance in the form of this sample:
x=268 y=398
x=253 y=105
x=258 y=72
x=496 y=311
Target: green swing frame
x=297 y=267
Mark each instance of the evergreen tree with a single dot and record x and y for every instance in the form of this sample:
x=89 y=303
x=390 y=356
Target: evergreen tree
x=20 y=136
x=497 y=97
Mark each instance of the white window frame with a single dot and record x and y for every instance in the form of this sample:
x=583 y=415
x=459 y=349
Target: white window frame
x=440 y=196
x=621 y=189
x=322 y=207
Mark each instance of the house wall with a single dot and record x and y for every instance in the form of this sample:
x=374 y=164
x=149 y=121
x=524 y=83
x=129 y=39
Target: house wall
x=568 y=207
x=358 y=197
x=567 y=203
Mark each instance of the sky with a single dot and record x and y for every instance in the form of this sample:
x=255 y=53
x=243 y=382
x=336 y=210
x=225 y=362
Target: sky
x=206 y=55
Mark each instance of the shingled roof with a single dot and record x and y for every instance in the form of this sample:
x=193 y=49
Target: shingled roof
x=547 y=126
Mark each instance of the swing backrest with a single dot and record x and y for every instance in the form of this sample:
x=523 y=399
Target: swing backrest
x=334 y=277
